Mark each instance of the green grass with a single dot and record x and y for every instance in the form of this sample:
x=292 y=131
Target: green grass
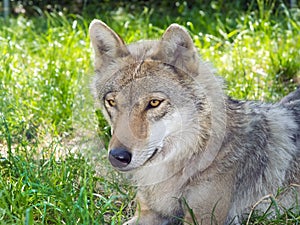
x=53 y=167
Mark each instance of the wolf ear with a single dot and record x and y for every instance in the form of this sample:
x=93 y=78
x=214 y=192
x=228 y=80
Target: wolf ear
x=176 y=48
x=106 y=43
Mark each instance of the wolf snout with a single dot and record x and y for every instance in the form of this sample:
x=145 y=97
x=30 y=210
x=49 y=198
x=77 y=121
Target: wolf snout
x=119 y=157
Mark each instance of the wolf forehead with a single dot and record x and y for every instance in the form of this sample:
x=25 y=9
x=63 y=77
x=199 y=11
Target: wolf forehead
x=140 y=76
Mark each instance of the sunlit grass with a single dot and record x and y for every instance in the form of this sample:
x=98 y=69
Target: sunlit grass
x=42 y=71
x=45 y=68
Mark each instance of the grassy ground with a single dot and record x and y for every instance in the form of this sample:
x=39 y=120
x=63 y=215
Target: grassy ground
x=53 y=167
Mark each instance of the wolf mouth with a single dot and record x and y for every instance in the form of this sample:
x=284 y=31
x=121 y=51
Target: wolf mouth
x=125 y=169
x=153 y=154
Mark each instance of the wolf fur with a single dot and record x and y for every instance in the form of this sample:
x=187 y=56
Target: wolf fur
x=182 y=141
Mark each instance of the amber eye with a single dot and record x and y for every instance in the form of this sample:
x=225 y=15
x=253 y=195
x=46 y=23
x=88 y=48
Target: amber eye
x=154 y=103
x=111 y=102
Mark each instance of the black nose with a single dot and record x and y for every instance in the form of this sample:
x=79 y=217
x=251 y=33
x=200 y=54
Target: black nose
x=119 y=157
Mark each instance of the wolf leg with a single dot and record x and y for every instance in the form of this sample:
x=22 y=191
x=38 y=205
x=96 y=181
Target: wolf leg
x=148 y=218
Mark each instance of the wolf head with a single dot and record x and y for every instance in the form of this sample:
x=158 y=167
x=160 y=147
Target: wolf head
x=159 y=98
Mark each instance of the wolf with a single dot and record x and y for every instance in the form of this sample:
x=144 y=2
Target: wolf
x=193 y=152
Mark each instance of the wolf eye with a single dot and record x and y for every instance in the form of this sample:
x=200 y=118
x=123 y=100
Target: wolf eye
x=111 y=102
x=154 y=103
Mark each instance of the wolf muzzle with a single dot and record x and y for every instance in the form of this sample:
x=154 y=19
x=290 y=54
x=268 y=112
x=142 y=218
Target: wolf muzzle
x=119 y=157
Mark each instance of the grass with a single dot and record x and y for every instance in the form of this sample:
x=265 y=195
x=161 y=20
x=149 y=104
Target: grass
x=53 y=167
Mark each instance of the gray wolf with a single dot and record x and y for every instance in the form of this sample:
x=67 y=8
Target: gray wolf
x=182 y=141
